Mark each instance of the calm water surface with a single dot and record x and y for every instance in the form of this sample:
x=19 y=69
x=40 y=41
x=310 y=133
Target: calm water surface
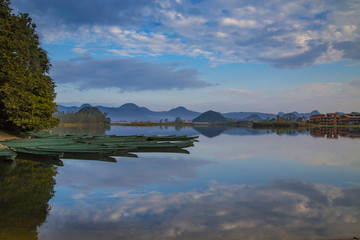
x=236 y=183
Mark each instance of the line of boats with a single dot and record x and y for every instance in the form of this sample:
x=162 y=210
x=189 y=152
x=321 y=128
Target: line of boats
x=103 y=148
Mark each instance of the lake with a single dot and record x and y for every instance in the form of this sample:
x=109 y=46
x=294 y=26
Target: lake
x=236 y=183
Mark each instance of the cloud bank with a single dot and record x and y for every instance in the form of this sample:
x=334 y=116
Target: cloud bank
x=281 y=33
x=127 y=75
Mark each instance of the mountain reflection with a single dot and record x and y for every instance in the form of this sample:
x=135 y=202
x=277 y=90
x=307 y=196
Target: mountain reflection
x=214 y=131
x=328 y=132
x=210 y=131
x=25 y=190
x=282 y=209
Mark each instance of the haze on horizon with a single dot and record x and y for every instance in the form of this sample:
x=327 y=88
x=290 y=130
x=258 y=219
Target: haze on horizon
x=223 y=55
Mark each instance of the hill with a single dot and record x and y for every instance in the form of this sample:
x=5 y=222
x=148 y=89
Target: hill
x=132 y=112
x=210 y=117
x=253 y=117
x=182 y=112
x=245 y=115
x=86 y=115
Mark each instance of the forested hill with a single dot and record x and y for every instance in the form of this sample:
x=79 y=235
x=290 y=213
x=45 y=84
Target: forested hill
x=86 y=115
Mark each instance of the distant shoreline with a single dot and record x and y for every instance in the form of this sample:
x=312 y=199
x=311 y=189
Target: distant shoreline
x=188 y=124
x=5 y=135
x=264 y=125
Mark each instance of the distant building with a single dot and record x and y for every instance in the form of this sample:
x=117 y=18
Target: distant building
x=335 y=118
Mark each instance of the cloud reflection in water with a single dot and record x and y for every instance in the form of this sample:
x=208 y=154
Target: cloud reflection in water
x=282 y=209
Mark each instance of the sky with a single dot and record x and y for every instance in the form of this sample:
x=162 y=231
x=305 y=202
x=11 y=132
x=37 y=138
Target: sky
x=221 y=55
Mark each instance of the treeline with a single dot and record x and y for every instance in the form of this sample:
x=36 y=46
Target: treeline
x=86 y=115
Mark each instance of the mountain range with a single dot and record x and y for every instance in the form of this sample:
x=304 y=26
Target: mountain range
x=132 y=112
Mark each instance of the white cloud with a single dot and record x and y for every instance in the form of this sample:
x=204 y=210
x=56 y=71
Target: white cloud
x=225 y=31
x=239 y=23
x=79 y=50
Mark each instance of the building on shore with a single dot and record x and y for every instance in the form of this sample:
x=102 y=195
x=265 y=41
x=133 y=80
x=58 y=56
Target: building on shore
x=335 y=118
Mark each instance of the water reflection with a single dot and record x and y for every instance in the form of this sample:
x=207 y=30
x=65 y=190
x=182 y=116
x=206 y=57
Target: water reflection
x=83 y=130
x=214 y=131
x=241 y=184
x=129 y=172
x=25 y=190
x=208 y=131
x=282 y=209
x=335 y=133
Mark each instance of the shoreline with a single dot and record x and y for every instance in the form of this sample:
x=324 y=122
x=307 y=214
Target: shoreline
x=6 y=135
x=267 y=125
x=147 y=124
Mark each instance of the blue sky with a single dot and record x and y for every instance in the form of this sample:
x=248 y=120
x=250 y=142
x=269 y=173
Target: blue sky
x=224 y=55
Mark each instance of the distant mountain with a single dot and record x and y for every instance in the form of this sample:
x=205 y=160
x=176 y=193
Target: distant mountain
x=132 y=112
x=307 y=115
x=245 y=115
x=291 y=116
x=128 y=112
x=296 y=115
x=182 y=112
x=68 y=109
x=253 y=117
x=210 y=117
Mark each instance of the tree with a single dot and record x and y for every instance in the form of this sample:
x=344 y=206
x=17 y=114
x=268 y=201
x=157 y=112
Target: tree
x=86 y=115
x=178 y=120
x=26 y=90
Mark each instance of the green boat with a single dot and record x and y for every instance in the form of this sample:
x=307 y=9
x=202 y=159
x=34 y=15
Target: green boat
x=93 y=147
x=7 y=154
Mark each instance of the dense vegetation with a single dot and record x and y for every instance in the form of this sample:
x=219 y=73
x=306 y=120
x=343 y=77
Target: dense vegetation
x=26 y=91
x=86 y=115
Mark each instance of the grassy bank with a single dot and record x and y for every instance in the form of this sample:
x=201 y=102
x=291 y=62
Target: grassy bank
x=81 y=125
x=277 y=125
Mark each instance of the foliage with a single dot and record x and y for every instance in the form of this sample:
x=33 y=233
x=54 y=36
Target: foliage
x=26 y=91
x=86 y=115
x=178 y=120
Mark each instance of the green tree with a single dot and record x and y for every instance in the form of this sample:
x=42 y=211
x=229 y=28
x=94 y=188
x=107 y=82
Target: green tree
x=26 y=90
x=178 y=120
x=86 y=115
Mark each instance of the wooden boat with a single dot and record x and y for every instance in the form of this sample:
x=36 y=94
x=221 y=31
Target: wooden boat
x=7 y=154
x=94 y=147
